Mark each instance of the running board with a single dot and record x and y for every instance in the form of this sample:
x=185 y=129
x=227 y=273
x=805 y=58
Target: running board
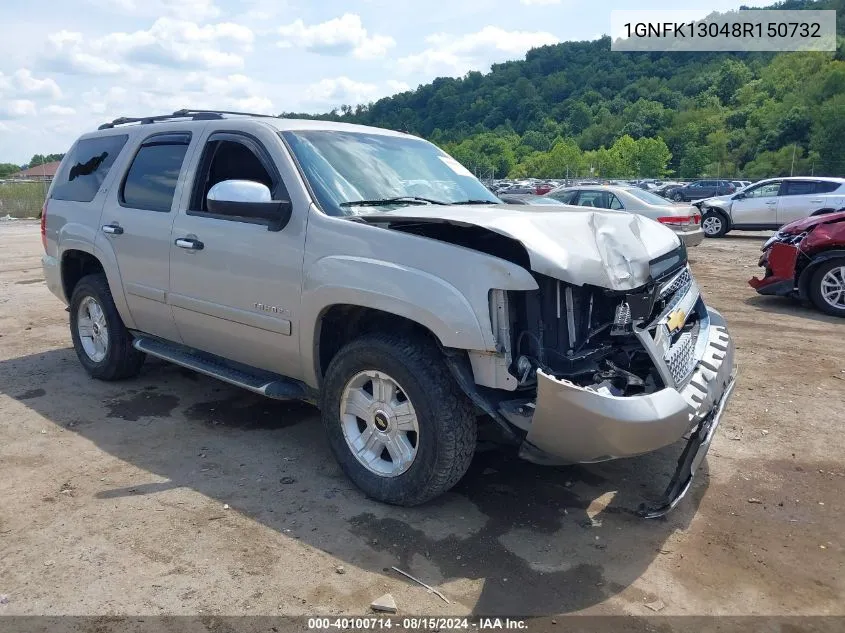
x=264 y=383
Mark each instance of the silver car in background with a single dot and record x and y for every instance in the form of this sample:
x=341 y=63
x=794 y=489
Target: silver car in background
x=684 y=219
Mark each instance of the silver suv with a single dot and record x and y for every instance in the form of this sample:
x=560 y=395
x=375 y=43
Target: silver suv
x=368 y=272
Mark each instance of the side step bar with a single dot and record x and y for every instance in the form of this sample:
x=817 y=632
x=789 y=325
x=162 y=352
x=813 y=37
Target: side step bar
x=264 y=383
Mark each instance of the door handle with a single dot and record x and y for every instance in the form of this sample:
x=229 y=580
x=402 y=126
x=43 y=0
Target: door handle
x=817 y=201
x=112 y=229
x=772 y=203
x=189 y=243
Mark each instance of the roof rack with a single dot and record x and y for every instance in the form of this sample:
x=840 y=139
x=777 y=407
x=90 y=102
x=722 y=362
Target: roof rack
x=194 y=115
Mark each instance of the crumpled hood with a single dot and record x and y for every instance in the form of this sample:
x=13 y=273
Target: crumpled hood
x=716 y=200
x=804 y=224
x=609 y=249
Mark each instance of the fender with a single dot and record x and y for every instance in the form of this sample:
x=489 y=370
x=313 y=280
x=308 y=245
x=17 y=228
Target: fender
x=78 y=237
x=809 y=269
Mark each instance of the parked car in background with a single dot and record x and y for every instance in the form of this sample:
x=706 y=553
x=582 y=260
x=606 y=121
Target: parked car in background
x=531 y=200
x=685 y=220
x=769 y=204
x=665 y=188
x=741 y=184
x=806 y=260
x=701 y=189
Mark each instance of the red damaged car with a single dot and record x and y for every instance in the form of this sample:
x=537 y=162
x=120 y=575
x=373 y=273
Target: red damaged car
x=806 y=259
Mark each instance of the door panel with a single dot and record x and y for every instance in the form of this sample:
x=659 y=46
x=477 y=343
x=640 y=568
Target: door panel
x=797 y=200
x=136 y=223
x=238 y=297
x=758 y=206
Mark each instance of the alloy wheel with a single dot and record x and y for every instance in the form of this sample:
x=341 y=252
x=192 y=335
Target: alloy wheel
x=92 y=329
x=833 y=287
x=379 y=423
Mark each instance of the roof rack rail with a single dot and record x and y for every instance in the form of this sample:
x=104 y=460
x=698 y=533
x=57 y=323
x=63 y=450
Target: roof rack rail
x=194 y=115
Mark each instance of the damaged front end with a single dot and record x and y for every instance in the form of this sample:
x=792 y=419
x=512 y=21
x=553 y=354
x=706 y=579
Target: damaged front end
x=607 y=374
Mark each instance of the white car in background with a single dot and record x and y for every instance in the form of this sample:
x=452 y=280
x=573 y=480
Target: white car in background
x=682 y=218
x=769 y=204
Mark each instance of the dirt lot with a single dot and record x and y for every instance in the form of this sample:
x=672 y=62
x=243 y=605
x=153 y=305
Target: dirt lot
x=176 y=494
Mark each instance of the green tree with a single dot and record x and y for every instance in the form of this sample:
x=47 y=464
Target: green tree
x=7 y=169
x=653 y=157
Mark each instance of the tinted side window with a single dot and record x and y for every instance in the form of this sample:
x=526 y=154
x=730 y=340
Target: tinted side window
x=615 y=203
x=151 y=180
x=227 y=160
x=824 y=186
x=566 y=197
x=597 y=199
x=799 y=188
x=86 y=168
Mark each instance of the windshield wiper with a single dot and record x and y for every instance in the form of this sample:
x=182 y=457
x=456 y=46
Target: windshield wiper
x=388 y=201
x=475 y=202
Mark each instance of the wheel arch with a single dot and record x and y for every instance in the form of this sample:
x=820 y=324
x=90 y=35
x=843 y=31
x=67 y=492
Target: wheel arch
x=341 y=323
x=807 y=272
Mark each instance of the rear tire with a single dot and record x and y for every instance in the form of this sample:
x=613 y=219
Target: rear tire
x=441 y=448
x=101 y=340
x=677 y=197
x=827 y=288
x=714 y=223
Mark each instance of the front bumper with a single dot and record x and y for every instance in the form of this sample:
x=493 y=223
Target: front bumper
x=779 y=262
x=572 y=424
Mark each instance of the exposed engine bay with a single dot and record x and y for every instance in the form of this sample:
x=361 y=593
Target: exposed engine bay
x=587 y=335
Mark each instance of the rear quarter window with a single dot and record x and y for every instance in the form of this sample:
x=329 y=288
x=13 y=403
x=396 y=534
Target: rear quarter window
x=84 y=170
x=825 y=186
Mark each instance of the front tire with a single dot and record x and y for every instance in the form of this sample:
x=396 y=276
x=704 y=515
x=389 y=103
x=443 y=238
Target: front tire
x=398 y=424
x=714 y=224
x=101 y=340
x=827 y=288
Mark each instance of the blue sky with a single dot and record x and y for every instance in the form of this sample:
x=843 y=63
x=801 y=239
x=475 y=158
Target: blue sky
x=66 y=66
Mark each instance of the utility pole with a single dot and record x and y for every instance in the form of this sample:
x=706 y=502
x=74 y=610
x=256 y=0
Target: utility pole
x=792 y=168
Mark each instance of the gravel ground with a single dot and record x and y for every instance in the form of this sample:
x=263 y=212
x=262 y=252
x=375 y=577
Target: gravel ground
x=175 y=494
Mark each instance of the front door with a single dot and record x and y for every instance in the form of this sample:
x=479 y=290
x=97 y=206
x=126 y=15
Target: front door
x=757 y=205
x=136 y=221
x=235 y=284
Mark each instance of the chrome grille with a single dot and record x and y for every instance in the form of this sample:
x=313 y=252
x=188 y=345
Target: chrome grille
x=677 y=283
x=681 y=357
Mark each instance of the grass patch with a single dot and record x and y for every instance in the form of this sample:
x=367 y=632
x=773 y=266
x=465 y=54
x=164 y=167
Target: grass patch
x=22 y=199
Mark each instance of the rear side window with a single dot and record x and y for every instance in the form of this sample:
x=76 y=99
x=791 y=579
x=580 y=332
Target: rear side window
x=84 y=171
x=151 y=180
x=799 y=188
x=566 y=197
x=824 y=186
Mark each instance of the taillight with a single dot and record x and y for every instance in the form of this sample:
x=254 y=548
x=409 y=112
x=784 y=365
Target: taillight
x=679 y=220
x=44 y=226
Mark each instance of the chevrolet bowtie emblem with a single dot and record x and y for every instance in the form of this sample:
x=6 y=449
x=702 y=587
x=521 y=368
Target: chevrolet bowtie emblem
x=676 y=320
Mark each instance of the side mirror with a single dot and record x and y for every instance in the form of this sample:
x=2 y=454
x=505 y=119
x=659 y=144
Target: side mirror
x=739 y=196
x=249 y=199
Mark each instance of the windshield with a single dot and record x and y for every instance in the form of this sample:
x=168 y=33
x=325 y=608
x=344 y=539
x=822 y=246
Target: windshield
x=345 y=168
x=648 y=197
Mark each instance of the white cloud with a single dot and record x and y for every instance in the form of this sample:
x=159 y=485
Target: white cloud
x=23 y=83
x=200 y=10
x=16 y=109
x=451 y=55
x=339 y=36
x=397 y=86
x=58 y=110
x=540 y=2
x=340 y=90
x=167 y=43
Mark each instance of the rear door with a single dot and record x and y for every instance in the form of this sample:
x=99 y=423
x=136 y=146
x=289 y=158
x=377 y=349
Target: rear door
x=237 y=294
x=136 y=223
x=757 y=206
x=794 y=202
